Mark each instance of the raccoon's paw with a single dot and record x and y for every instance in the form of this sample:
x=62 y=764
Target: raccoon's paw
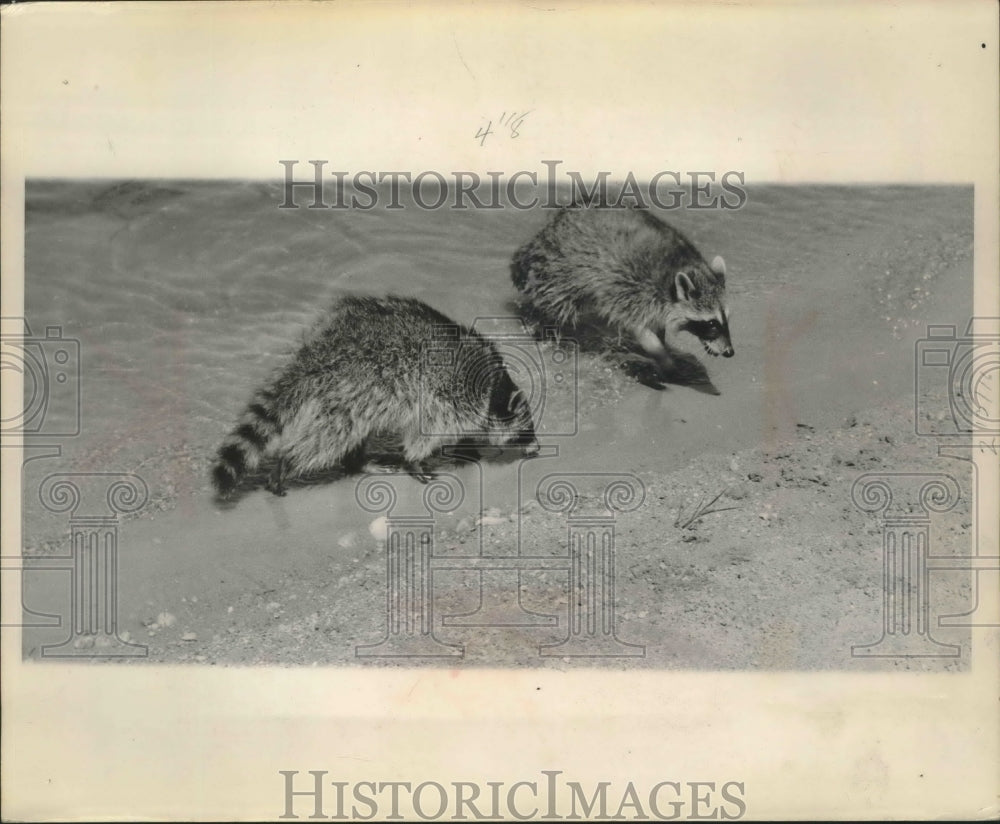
x=644 y=371
x=422 y=474
x=354 y=460
x=225 y=499
x=276 y=488
x=276 y=480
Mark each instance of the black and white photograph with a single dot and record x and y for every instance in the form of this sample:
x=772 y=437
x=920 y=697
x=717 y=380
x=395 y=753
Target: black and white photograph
x=464 y=420
x=289 y=384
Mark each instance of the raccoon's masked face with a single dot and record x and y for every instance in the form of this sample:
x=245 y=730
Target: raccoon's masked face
x=513 y=424
x=701 y=305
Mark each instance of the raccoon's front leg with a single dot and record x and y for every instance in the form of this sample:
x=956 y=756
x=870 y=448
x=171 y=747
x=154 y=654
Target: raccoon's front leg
x=654 y=347
x=421 y=473
x=416 y=450
x=353 y=461
x=276 y=480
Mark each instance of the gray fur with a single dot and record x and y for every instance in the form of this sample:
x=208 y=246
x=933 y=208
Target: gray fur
x=625 y=268
x=366 y=367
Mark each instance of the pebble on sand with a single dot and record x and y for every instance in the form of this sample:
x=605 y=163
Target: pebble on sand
x=378 y=528
x=189 y=636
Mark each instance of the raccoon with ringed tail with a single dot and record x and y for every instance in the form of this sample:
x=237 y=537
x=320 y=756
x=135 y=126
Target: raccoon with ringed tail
x=629 y=270
x=365 y=367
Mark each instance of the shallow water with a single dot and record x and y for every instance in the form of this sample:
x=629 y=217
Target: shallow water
x=184 y=295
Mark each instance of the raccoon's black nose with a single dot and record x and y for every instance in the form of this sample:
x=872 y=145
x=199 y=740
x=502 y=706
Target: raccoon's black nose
x=728 y=352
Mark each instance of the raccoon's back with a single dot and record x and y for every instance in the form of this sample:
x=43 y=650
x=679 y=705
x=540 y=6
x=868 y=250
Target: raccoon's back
x=369 y=336
x=607 y=262
x=387 y=351
x=592 y=248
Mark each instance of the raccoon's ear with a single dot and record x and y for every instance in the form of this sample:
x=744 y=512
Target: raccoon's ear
x=684 y=286
x=718 y=265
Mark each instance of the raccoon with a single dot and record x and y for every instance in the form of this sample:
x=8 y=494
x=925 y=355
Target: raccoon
x=376 y=364
x=627 y=269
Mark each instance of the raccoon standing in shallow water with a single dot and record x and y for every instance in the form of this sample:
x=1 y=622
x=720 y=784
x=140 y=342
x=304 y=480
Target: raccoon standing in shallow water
x=376 y=364
x=629 y=270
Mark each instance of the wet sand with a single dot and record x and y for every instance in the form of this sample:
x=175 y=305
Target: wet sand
x=184 y=295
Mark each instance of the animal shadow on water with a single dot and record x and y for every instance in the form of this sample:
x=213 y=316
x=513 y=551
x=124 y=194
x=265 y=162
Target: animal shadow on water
x=595 y=338
x=382 y=453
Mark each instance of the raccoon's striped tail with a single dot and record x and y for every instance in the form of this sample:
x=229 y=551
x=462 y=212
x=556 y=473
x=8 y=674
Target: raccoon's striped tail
x=244 y=447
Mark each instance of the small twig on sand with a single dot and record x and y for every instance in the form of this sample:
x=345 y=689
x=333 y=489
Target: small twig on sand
x=702 y=510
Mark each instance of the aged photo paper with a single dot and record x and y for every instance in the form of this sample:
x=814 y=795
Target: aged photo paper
x=500 y=411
